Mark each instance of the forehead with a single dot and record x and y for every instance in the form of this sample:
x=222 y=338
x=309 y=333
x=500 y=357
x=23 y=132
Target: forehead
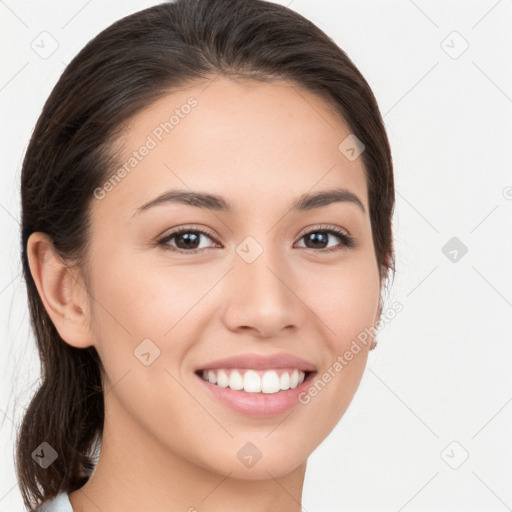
x=257 y=143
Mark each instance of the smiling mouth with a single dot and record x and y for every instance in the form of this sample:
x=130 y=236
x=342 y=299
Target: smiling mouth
x=255 y=381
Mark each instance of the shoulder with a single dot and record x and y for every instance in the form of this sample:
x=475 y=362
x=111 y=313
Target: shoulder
x=60 y=503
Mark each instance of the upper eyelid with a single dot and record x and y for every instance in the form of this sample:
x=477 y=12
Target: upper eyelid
x=323 y=227
x=186 y=229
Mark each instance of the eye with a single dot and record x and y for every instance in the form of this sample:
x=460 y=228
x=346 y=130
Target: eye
x=187 y=240
x=321 y=236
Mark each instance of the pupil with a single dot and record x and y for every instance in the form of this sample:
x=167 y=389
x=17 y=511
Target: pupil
x=191 y=240
x=317 y=237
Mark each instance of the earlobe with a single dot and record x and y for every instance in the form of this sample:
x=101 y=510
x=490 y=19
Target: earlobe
x=377 y=320
x=61 y=290
x=379 y=312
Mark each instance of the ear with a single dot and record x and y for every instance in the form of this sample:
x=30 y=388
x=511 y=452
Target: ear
x=62 y=291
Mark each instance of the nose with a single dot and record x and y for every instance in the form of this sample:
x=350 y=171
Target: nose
x=262 y=297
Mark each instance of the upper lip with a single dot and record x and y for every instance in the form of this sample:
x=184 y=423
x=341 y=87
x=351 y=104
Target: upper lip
x=261 y=362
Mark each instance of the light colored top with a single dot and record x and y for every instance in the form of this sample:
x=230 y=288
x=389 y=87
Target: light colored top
x=60 y=503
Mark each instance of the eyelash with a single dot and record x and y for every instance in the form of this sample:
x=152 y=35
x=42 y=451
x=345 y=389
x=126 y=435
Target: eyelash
x=348 y=241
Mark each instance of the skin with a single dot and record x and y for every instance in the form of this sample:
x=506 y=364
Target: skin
x=168 y=445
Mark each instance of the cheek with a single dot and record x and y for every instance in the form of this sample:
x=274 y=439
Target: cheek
x=135 y=302
x=347 y=310
x=144 y=300
x=346 y=300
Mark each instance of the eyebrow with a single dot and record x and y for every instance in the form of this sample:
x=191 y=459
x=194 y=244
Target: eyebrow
x=214 y=202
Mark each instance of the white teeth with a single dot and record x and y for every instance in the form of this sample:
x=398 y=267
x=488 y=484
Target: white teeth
x=252 y=381
x=222 y=379
x=294 y=379
x=270 y=383
x=236 y=381
x=285 y=381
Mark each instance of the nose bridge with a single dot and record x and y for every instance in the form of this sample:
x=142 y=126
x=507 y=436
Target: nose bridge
x=259 y=266
x=261 y=273
x=261 y=296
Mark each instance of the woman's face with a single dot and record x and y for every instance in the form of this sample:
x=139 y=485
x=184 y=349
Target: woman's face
x=268 y=277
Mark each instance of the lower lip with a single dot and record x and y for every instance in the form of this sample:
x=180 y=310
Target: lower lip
x=258 y=404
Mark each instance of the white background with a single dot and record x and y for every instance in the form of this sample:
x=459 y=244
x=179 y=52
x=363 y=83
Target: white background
x=441 y=371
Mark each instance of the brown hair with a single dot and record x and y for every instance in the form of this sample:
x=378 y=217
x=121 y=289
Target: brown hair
x=125 y=68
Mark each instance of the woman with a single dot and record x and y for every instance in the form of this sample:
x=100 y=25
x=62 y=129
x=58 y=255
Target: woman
x=206 y=231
